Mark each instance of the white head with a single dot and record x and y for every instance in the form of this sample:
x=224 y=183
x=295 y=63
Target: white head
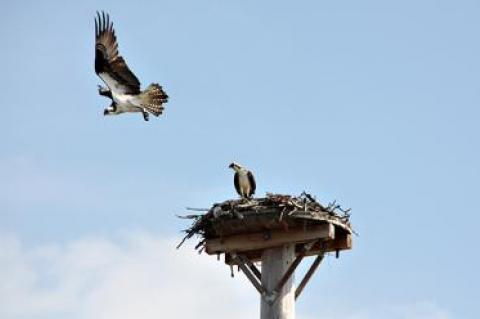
x=235 y=166
x=112 y=109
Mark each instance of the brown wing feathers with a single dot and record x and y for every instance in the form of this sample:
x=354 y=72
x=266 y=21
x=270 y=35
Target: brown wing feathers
x=252 y=183
x=108 y=63
x=236 y=182
x=106 y=46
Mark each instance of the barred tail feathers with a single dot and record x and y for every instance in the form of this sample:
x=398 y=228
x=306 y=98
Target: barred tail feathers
x=152 y=99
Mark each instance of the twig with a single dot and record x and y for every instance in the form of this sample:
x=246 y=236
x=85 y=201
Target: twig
x=183 y=240
x=198 y=209
x=281 y=214
x=188 y=216
x=199 y=244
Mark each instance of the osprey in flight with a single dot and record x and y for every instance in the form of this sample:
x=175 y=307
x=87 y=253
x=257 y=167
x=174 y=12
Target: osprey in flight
x=123 y=86
x=243 y=180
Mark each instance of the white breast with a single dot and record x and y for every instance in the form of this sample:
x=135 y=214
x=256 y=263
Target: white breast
x=125 y=103
x=244 y=182
x=121 y=98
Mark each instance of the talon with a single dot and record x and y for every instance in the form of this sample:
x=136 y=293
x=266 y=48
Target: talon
x=145 y=115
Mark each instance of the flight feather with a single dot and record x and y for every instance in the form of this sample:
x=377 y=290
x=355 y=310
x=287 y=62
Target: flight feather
x=109 y=65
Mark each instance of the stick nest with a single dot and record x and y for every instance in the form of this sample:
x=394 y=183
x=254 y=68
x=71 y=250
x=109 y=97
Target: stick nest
x=275 y=211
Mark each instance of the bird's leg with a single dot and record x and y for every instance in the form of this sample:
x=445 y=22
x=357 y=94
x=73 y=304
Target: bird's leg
x=145 y=115
x=104 y=91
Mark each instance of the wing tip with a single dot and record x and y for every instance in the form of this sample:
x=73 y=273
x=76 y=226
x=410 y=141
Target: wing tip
x=103 y=23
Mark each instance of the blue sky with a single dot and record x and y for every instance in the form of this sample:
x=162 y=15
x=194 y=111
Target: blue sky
x=371 y=103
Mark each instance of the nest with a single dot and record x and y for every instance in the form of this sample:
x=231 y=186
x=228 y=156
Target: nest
x=275 y=211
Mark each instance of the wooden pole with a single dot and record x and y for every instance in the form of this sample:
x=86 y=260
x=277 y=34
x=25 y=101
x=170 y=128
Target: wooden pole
x=275 y=262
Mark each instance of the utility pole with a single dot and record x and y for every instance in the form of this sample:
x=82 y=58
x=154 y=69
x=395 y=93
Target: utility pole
x=275 y=263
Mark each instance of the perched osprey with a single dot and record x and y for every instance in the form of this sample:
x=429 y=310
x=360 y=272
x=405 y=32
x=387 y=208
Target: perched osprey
x=123 y=85
x=243 y=180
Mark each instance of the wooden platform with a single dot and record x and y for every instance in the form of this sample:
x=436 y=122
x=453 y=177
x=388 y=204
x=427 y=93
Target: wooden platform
x=249 y=227
x=326 y=237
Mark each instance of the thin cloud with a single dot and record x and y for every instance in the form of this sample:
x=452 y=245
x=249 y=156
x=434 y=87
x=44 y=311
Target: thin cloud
x=143 y=276
x=140 y=277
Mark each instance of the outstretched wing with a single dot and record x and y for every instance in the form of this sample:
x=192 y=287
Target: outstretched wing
x=251 y=179
x=109 y=65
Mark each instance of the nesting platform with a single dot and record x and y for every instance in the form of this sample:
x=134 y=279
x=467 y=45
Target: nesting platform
x=279 y=231
x=249 y=227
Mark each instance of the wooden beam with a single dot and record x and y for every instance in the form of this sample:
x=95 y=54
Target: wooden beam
x=250 y=265
x=342 y=241
x=250 y=275
x=265 y=240
x=308 y=275
x=305 y=248
x=287 y=275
